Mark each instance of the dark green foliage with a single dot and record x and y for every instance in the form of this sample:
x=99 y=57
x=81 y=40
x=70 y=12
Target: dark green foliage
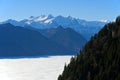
x=99 y=59
x=118 y=20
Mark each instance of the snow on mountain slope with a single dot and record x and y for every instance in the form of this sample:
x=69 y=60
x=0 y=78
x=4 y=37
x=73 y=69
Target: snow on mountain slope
x=86 y=28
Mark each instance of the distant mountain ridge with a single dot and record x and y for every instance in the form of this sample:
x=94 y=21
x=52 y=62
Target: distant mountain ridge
x=86 y=28
x=67 y=37
x=18 y=41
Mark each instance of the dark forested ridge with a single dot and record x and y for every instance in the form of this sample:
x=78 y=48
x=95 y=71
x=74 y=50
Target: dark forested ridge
x=99 y=59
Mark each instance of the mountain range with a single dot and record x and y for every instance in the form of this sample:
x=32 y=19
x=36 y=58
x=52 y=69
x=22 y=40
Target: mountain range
x=21 y=42
x=17 y=41
x=85 y=28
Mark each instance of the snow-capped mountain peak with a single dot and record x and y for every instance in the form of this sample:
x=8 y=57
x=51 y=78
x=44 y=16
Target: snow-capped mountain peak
x=40 y=18
x=87 y=28
x=104 y=20
x=48 y=21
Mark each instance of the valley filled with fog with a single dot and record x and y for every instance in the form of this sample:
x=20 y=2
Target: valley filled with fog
x=44 y=68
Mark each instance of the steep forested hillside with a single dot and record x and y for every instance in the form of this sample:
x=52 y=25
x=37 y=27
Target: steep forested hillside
x=99 y=59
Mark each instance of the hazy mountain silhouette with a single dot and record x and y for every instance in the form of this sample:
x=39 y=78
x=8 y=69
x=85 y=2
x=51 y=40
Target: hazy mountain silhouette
x=20 y=41
x=67 y=37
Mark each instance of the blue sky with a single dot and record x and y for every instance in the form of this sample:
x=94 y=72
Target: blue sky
x=83 y=9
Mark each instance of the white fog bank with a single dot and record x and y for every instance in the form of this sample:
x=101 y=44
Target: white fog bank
x=32 y=68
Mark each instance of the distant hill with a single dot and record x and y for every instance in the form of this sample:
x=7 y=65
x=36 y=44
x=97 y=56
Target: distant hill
x=18 y=41
x=67 y=37
x=99 y=59
x=85 y=28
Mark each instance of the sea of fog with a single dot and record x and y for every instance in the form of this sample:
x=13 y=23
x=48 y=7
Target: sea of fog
x=44 y=68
